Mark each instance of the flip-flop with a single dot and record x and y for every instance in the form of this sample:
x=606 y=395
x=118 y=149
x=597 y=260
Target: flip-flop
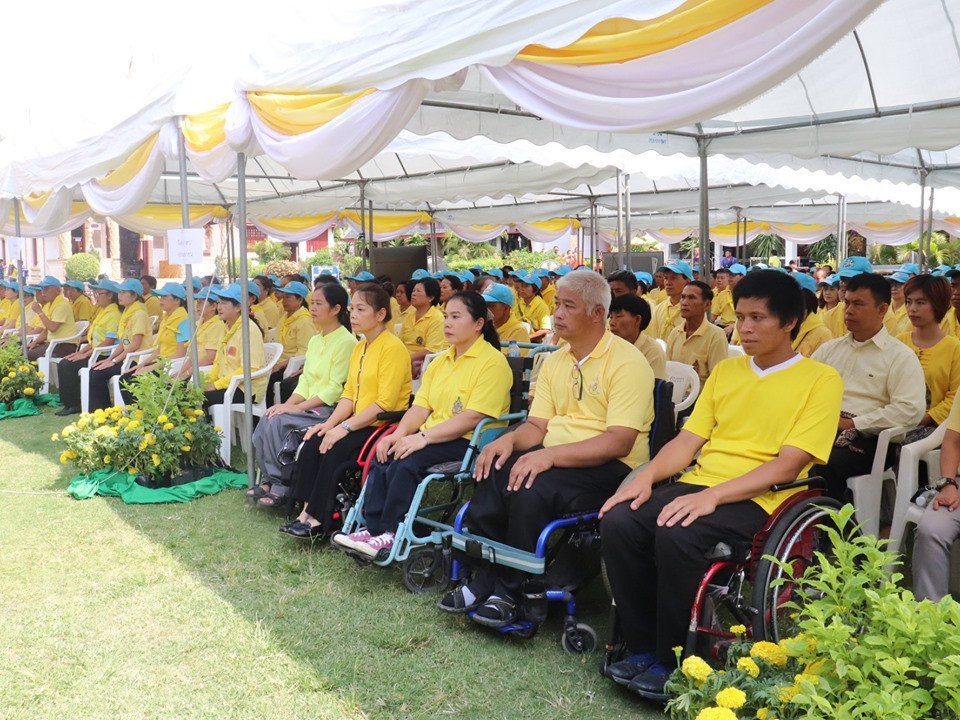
x=272 y=500
x=257 y=492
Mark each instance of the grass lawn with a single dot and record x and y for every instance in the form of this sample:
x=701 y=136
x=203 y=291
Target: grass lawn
x=204 y=610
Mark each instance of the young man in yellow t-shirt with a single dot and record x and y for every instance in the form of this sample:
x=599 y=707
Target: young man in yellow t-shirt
x=696 y=342
x=588 y=426
x=55 y=318
x=655 y=540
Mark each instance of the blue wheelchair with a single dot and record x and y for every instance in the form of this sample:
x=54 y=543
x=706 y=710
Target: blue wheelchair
x=567 y=554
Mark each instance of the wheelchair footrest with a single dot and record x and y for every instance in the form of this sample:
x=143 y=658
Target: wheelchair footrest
x=481 y=548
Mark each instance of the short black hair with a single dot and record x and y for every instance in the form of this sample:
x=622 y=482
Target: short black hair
x=624 y=276
x=325 y=279
x=705 y=290
x=431 y=288
x=781 y=292
x=455 y=282
x=876 y=284
x=149 y=280
x=636 y=306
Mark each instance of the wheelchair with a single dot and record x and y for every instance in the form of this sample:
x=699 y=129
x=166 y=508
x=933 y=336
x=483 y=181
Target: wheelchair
x=420 y=538
x=566 y=558
x=747 y=584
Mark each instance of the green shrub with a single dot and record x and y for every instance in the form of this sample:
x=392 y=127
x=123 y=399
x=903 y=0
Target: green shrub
x=82 y=266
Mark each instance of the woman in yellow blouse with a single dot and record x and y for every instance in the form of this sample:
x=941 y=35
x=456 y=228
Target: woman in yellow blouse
x=73 y=290
x=378 y=380
x=467 y=383
x=812 y=333
x=422 y=330
x=229 y=359
x=295 y=331
x=831 y=311
x=532 y=308
x=210 y=332
x=101 y=333
x=927 y=301
x=266 y=302
x=133 y=333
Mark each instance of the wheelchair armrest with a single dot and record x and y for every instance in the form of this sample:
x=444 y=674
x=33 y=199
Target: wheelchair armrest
x=392 y=416
x=810 y=482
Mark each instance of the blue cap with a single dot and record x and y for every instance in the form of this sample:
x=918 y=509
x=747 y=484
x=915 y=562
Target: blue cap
x=75 y=284
x=758 y=266
x=941 y=270
x=853 y=266
x=197 y=284
x=832 y=280
x=205 y=293
x=476 y=267
x=173 y=290
x=362 y=276
x=4 y=284
x=530 y=278
x=467 y=277
x=131 y=285
x=108 y=285
x=805 y=281
x=274 y=279
x=294 y=288
x=49 y=281
x=496 y=292
x=450 y=273
x=680 y=268
x=231 y=292
x=644 y=277
x=183 y=330
x=542 y=273
x=901 y=277
x=420 y=274
x=30 y=290
x=738 y=269
x=909 y=269
x=495 y=272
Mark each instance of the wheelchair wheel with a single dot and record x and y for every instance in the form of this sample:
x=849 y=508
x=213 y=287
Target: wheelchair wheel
x=579 y=640
x=424 y=571
x=794 y=543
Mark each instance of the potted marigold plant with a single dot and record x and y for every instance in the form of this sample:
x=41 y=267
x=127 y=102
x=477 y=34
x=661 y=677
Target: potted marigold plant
x=18 y=377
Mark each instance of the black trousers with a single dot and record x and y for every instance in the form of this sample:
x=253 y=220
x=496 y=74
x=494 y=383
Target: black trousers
x=215 y=397
x=654 y=571
x=844 y=463
x=124 y=393
x=100 y=387
x=517 y=518
x=68 y=381
x=391 y=486
x=316 y=477
x=287 y=387
x=275 y=377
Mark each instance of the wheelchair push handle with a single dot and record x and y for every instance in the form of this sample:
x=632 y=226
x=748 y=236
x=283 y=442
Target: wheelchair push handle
x=812 y=482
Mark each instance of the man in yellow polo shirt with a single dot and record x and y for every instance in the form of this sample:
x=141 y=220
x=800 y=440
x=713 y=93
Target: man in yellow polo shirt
x=666 y=316
x=588 y=426
x=73 y=291
x=697 y=343
x=55 y=318
x=629 y=316
x=655 y=540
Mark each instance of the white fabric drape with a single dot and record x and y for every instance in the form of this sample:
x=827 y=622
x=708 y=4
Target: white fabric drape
x=292 y=236
x=53 y=211
x=889 y=233
x=805 y=235
x=476 y=233
x=383 y=235
x=78 y=214
x=544 y=235
x=145 y=224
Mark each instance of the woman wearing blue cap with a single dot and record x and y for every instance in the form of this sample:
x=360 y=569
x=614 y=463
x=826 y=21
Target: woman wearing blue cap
x=73 y=291
x=267 y=304
x=229 y=359
x=532 y=309
x=101 y=333
x=296 y=329
x=133 y=333
x=210 y=332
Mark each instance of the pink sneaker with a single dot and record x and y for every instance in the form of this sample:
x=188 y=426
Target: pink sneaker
x=375 y=544
x=353 y=539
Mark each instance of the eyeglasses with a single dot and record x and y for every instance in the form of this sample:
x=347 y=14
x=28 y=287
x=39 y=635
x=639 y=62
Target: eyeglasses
x=576 y=378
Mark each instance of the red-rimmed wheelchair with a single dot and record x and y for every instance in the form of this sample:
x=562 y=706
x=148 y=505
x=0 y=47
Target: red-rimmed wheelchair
x=747 y=584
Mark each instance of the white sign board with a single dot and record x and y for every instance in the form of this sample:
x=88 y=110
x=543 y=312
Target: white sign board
x=185 y=246
x=14 y=248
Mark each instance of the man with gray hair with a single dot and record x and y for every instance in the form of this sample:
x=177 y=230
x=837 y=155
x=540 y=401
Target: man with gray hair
x=587 y=428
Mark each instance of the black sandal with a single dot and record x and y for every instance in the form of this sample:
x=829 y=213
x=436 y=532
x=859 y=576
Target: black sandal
x=496 y=612
x=272 y=500
x=255 y=493
x=455 y=602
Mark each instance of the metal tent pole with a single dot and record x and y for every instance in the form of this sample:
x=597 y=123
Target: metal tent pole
x=619 y=221
x=704 y=211
x=20 y=278
x=628 y=235
x=230 y=251
x=433 y=243
x=736 y=253
x=369 y=243
x=245 y=314
x=358 y=248
x=923 y=199
x=837 y=234
x=930 y=223
x=185 y=221
x=593 y=233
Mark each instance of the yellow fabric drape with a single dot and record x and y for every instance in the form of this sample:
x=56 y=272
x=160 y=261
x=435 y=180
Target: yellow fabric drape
x=389 y=223
x=890 y=225
x=297 y=113
x=37 y=200
x=730 y=229
x=297 y=224
x=620 y=40
x=130 y=167
x=801 y=227
x=75 y=209
x=205 y=131
x=555 y=225
x=170 y=214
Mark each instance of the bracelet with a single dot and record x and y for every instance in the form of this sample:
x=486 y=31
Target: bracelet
x=424 y=434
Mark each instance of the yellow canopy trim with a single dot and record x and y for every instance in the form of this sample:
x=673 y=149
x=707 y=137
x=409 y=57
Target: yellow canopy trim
x=130 y=167
x=297 y=113
x=205 y=131
x=37 y=200
x=169 y=215
x=731 y=228
x=389 y=223
x=620 y=40
x=298 y=223
x=555 y=225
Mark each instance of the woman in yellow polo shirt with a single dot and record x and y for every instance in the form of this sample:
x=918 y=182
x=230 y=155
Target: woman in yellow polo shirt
x=210 y=332
x=422 y=329
x=101 y=333
x=133 y=333
x=229 y=359
x=812 y=333
x=831 y=311
x=533 y=310
x=378 y=380
x=266 y=304
x=927 y=301
x=468 y=383
x=73 y=290
x=295 y=332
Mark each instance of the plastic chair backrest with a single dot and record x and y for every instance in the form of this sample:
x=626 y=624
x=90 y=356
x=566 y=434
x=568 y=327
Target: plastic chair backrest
x=664 y=427
x=662 y=343
x=686 y=384
x=735 y=351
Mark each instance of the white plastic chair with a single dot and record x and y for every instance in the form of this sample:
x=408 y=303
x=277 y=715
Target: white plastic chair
x=868 y=489
x=686 y=385
x=46 y=362
x=222 y=414
x=527 y=326
x=926 y=450
x=662 y=343
x=735 y=351
x=154 y=322
x=98 y=354
x=415 y=385
x=115 y=395
x=294 y=365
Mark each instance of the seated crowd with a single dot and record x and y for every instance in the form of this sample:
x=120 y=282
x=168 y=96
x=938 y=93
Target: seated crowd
x=832 y=360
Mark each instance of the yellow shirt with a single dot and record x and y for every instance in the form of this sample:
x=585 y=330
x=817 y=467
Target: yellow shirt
x=425 y=333
x=133 y=322
x=833 y=319
x=666 y=316
x=295 y=333
x=209 y=335
x=106 y=322
x=513 y=330
x=379 y=374
x=82 y=308
x=953 y=419
x=261 y=317
x=166 y=341
x=610 y=387
x=13 y=312
x=535 y=313
x=59 y=310
x=152 y=303
x=270 y=311
x=813 y=333
x=704 y=349
x=654 y=354
x=4 y=308
x=229 y=360
x=800 y=400
x=326 y=365
x=902 y=321
x=478 y=380
x=722 y=307
x=656 y=295
x=941 y=372
x=395 y=314
x=549 y=295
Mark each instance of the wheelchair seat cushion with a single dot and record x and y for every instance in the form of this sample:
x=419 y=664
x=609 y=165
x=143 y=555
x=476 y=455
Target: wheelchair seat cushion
x=447 y=468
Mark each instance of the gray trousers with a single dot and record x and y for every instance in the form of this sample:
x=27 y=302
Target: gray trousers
x=936 y=533
x=269 y=435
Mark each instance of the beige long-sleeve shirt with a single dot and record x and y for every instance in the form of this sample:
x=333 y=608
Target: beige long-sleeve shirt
x=883 y=384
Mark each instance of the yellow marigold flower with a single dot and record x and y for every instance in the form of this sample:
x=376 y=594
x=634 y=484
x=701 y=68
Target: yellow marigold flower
x=805 y=677
x=168 y=426
x=106 y=459
x=142 y=446
x=193 y=419
x=150 y=439
x=28 y=391
x=769 y=652
x=63 y=458
x=133 y=425
x=161 y=419
x=156 y=459
x=24 y=368
x=731 y=697
x=762 y=713
x=815 y=667
x=139 y=414
x=748 y=666
x=185 y=448
x=133 y=471
x=11 y=374
x=788 y=693
x=738 y=629
x=123 y=421
x=54 y=437
x=40 y=375
x=113 y=432
x=188 y=435
x=716 y=713
x=68 y=431
x=5 y=379
x=217 y=428
x=82 y=423
x=696 y=668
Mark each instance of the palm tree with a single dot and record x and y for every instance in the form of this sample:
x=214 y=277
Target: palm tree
x=764 y=246
x=824 y=251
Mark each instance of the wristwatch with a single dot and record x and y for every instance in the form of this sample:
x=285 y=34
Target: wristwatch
x=943 y=482
x=346 y=426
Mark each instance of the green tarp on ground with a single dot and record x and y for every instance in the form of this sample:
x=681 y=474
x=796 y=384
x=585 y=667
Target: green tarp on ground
x=25 y=407
x=111 y=483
